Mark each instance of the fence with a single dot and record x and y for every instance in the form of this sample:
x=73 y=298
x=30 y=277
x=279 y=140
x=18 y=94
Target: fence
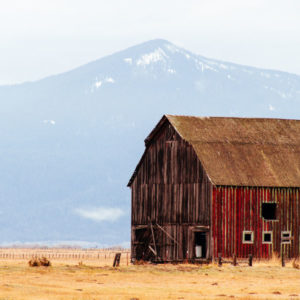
x=63 y=254
x=249 y=261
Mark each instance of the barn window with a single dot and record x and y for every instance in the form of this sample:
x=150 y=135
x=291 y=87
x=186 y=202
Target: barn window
x=268 y=211
x=285 y=237
x=248 y=237
x=267 y=237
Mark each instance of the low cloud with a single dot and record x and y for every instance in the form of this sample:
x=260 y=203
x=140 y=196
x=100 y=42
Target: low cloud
x=271 y=107
x=100 y=214
x=51 y=122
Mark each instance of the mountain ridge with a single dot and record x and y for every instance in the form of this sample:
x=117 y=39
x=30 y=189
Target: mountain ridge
x=142 y=45
x=70 y=142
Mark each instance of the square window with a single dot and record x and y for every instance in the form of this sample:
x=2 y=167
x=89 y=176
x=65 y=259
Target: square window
x=248 y=237
x=267 y=237
x=285 y=237
x=268 y=211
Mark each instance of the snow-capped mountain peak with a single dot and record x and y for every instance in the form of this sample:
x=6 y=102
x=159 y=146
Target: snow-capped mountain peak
x=70 y=142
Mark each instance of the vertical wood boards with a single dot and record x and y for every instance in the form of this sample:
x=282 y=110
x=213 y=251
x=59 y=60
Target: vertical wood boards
x=170 y=189
x=235 y=209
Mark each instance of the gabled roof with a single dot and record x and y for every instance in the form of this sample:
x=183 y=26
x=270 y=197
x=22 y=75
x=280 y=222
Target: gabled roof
x=242 y=151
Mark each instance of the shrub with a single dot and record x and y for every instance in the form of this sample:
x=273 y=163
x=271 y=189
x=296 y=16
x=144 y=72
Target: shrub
x=37 y=262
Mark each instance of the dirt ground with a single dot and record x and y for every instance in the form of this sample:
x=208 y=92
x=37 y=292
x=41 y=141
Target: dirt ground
x=96 y=279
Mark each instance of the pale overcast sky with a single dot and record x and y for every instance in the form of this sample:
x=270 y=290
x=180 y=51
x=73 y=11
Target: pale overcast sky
x=40 y=37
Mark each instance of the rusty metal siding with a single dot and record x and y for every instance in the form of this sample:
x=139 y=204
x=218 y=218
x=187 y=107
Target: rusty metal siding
x=235 y=209
x=172 y=190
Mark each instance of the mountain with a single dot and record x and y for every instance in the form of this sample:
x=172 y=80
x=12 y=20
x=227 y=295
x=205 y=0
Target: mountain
x=70 y=142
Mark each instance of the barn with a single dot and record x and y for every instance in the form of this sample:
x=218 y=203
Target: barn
x=215 y=185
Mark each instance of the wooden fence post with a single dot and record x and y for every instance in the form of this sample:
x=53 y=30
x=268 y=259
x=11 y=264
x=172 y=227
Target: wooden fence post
x=250 y=260
x=234 y=259
x=219 y=260
x=282 y=257
x=117 y=260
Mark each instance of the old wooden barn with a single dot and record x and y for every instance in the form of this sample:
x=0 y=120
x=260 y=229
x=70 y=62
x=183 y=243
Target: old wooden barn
x=210 y=185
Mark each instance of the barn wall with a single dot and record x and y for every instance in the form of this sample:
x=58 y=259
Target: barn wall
x=170 y=189
x=167 y=249
x=235 y=209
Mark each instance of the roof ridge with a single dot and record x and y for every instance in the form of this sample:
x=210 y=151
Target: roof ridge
x=229 y=117
x=242 y=143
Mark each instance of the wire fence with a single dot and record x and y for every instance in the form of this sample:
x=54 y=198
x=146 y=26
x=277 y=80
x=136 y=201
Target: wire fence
x=63 y=254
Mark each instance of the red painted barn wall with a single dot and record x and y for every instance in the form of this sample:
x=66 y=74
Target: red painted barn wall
x=235 y=209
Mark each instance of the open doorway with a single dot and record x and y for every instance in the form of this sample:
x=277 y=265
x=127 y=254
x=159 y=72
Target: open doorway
x=200 y=244
x=142 y=240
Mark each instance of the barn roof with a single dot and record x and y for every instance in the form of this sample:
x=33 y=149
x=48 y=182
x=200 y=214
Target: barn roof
x=243 y=151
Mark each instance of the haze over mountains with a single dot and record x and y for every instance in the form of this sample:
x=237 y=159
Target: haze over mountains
x=70 y=142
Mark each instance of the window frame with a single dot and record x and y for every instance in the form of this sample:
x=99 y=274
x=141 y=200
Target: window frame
x=263 y=237
x=252 y=236
x=290 y=235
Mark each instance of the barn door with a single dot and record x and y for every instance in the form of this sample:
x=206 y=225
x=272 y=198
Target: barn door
x=143 y=239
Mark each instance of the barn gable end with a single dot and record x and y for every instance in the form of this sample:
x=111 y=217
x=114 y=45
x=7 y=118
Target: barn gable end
x=171 y=192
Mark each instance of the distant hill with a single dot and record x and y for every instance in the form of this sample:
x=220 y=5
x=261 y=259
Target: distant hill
x=69 y=143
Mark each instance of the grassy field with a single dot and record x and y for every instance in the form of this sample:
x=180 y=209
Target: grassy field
x=94 y=278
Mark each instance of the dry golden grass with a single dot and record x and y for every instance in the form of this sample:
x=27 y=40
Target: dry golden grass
x=93 y=279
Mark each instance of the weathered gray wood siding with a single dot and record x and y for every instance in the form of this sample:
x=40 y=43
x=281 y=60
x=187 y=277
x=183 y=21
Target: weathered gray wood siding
x=170 y=189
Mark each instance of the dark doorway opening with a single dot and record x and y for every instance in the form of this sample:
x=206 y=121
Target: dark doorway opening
x=200 y=244
x=143 y=239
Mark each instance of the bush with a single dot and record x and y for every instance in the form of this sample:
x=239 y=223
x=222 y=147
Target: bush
x=37 y=262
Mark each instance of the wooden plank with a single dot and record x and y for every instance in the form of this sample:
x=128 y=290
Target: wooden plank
x=162 y=229
x=153 y=237
x=117 y=259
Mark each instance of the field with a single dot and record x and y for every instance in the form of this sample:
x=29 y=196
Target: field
x=87 y=275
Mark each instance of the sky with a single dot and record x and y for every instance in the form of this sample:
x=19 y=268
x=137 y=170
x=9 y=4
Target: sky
x=41 y=38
